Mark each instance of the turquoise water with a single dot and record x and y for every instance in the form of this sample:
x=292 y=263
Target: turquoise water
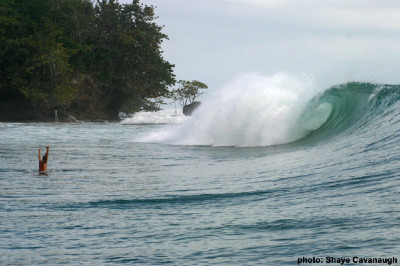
x=108 y=198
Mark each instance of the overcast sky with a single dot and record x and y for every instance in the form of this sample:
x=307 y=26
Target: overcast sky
x=214 y=41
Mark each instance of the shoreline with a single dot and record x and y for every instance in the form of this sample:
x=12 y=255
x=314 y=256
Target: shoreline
x=63 y=121
x=8 y=117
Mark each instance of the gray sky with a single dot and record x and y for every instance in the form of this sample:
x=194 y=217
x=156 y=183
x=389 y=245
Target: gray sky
x=214 y=41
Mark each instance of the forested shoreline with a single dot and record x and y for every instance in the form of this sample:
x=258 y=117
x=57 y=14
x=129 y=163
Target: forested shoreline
x=89 y=59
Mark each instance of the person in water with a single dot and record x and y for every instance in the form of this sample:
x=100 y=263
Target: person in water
x=43 y=161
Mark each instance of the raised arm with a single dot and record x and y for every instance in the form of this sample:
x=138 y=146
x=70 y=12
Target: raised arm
x=40 y=158
x=47 y=154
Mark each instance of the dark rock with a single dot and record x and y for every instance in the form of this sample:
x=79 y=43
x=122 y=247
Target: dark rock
x=189 y=109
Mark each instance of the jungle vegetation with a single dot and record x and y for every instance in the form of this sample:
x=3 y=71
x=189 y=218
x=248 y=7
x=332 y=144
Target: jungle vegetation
x=90 y=59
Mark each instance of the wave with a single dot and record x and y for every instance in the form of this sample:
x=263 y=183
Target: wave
x=197 y=199
x=262 y=111
x=345 y=108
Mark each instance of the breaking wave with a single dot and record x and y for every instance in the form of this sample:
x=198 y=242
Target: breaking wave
x=262 y=111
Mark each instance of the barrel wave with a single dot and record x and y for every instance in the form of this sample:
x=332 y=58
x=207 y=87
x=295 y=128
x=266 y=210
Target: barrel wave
x=348 y=108
x=256 y=111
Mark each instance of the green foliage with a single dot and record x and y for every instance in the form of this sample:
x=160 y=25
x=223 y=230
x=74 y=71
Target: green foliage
x=128 y=55
x=34 y=62
x=46 y=44
x=187 y=92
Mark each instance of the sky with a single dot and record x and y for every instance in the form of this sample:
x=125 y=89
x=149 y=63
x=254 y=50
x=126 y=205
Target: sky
x=336 y=41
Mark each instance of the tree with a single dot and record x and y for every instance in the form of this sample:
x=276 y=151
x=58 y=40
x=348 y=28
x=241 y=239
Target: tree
x=127 y=56
x=187 y=92
x=83 y=56
x=34 y=63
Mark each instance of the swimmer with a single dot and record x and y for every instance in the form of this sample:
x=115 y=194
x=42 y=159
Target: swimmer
x=43 y=161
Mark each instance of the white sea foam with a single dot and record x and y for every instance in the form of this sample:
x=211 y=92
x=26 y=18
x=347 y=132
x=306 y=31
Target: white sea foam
x=253 y=110
x=167 y=116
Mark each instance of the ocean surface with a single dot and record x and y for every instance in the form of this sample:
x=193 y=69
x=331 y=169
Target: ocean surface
x=266 y=177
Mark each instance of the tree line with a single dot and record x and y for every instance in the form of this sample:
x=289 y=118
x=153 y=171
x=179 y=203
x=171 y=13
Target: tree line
x=90 y=59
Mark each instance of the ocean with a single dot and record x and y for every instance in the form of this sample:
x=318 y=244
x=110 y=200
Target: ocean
x=268 y=171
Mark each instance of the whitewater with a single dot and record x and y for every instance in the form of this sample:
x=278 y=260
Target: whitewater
x=251 y=111
x=269 y=170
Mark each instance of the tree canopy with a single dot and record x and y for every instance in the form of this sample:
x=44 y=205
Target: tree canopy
x=81 y=55
x=187 y=91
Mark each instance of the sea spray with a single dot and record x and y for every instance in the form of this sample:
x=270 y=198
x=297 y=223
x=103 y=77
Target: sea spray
x=253 y=110
x=168 y=116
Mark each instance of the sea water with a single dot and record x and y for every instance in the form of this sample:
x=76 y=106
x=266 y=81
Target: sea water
x=272 y=170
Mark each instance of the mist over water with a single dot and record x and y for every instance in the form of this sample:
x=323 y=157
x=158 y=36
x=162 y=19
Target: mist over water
x=168 y=116
x=253 y=110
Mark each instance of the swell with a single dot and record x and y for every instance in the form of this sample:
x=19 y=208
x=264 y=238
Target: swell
x=192 y=200
x=287 y=193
